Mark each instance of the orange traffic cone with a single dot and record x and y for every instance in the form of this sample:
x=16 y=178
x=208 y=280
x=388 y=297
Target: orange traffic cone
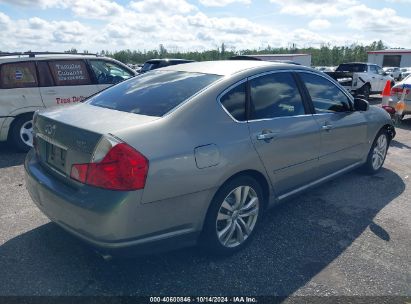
x=386 y=93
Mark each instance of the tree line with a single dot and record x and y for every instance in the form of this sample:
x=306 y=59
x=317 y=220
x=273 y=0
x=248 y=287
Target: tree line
x=326 y=55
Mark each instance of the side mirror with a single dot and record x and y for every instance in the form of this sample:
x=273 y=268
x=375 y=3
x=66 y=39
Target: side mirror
x=361 y=104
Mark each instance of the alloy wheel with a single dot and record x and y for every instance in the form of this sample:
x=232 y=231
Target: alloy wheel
x=26 y=133
x=379 y=152
x=237 y=216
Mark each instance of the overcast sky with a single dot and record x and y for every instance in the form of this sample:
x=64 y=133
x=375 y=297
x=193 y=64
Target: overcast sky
x=183 y=25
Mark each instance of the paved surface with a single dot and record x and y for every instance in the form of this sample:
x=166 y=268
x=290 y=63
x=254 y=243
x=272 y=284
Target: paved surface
x=352 y=236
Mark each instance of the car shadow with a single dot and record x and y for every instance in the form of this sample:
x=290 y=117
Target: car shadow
x=9 y=156
x=295 y=242
x=405 y=124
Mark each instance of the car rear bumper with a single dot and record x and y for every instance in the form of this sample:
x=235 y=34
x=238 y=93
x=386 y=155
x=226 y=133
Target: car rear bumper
x=116 y=220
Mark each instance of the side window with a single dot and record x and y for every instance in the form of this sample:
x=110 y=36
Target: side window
x=275 y=95
x=69 y=72
x=380 y=71
x=373 y=69
x=234 y=102
x=325 y=95
x=18 y=75
x=109 y=73
x=45 y=77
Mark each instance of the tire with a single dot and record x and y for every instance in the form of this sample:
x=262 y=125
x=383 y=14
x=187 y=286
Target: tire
x=227 y=229
x=21 y=133
x=366 y=91
x=378 y=153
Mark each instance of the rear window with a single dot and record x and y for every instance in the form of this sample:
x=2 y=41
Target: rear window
x=154 y=93
x=354 y=68
x=18 y=75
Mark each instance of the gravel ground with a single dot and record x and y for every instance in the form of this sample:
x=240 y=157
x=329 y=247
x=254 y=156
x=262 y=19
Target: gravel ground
x=351 y=236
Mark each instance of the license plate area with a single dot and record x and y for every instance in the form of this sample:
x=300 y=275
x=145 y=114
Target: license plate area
x=56 y=157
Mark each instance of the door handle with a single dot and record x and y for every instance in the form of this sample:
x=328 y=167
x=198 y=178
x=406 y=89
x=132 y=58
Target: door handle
x=51 y=92
x=266 y=136
x=327 y=127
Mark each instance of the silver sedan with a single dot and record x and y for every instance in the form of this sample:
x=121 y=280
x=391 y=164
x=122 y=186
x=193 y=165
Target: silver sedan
x=196 y=153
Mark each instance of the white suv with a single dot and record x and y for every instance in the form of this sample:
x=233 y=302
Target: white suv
x=32 y=81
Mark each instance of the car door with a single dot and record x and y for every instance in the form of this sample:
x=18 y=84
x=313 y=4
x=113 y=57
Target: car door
x=108 y=73
x=383 y=78
x=64 y=82
x=283 y=131
x=375 y=79
x=343 y=130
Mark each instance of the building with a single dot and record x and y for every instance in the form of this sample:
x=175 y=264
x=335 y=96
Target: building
x=391 y=58
x=303 y=59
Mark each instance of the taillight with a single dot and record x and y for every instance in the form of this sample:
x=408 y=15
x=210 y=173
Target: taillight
x=121 y=168
x=399 y=90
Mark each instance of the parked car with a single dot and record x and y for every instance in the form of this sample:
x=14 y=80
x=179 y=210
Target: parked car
x=394 y=72
x=325 y=69
x=197 y=152
x=161 y=63
x=32 y=81
x=396 y=93
x=405 y=72
x=361 y=78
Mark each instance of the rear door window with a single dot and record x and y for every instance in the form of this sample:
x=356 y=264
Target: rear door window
x=69 y=72
x=18 y=75
x=275 y=95
x=154 y=93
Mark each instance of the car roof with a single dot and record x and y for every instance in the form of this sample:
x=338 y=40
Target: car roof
x=226 y=67
x=17 y=58
x=170 y=59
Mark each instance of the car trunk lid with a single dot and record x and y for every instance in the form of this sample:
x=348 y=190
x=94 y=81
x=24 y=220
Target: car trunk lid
x=69 y=136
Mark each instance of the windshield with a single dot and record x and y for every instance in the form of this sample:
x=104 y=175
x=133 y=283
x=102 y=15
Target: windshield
x=148 y=66
x=354 y=68
x=154 y=93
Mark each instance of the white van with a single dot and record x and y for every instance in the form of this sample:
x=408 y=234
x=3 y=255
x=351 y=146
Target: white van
x=31 y=81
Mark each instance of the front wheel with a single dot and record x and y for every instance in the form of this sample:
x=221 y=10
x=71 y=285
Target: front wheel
x=378 y=152
x=366 y=91
x=233 y=216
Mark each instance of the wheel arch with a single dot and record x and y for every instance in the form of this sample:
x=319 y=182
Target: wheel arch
x=390 y=130
x=258 y=176
x=15 y=119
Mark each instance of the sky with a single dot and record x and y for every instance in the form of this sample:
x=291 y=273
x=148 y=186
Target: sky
x=186 y=25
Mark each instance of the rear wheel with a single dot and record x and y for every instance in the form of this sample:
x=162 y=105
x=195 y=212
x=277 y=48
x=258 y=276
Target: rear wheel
x=378 y=152
x=233 y=216
x=22 y=133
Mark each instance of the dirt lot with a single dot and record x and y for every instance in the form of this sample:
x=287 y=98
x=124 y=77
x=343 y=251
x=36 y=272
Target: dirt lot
x=351 y=236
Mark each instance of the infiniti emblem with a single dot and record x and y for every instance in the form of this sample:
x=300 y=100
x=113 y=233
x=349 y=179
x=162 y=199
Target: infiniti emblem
x=50 y=130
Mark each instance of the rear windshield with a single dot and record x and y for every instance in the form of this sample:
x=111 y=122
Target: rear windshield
x=355 y=68
x=154 y=93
